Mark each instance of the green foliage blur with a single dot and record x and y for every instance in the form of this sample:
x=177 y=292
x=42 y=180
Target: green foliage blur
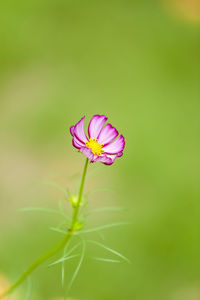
x=138 y=62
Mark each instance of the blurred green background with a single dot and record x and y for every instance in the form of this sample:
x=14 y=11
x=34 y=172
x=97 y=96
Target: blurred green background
x=138 y=62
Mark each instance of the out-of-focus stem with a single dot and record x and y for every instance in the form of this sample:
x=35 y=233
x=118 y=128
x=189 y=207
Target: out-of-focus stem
x=58 y=247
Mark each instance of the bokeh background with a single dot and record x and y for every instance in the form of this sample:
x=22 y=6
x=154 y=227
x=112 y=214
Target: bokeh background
x=138 y=62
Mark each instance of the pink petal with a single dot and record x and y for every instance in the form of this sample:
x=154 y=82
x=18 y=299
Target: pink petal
x=112 y=159
x=96 y=125
x=72 y=130
x=104 y=159
x=87 y=152
x=107 y=134
x=119 y=154
x=76 y=143
x=79 y=131
x=115 y=147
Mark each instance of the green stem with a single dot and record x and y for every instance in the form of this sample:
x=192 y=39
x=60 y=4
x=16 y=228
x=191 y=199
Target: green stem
x=76 y=209
x=58 y=247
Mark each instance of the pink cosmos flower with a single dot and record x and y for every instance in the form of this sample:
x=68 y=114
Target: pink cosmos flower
x=103 y=144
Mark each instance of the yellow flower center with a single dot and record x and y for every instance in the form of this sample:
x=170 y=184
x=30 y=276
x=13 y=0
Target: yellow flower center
x=94 y=146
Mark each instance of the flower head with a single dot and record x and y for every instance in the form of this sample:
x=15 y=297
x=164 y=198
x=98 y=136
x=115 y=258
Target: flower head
x=102 y=144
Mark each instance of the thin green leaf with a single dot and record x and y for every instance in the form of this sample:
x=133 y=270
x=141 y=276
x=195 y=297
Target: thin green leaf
x=101 y=235
x=110 y=250
x=63 y=264
x=62 y=211
x=63 y=273
x=104 y=227
x=63 y=270
x=95 y=171
x=42 y=209
x=66 y=253
x=74 y=176
x=29 y=289
x=102 y=209
x=61 y=224
x=99 y=190
x=62 y=260
x=58 y=230
x=57 y=186
x=76 y=270
x=73 y=248
x=106 y=259
x=60 y=206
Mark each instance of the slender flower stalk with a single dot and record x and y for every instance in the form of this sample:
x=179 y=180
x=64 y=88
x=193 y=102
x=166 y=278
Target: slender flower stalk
x=58 y=247
x=76 y=209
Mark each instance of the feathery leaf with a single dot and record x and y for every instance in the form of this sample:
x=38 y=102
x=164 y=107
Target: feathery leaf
x=104 y=227
x=110 y=250
x=76 y=270
x=62 y=259
x=106 y=259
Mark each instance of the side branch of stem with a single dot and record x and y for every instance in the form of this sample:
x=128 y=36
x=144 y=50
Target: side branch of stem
x=55 y=249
